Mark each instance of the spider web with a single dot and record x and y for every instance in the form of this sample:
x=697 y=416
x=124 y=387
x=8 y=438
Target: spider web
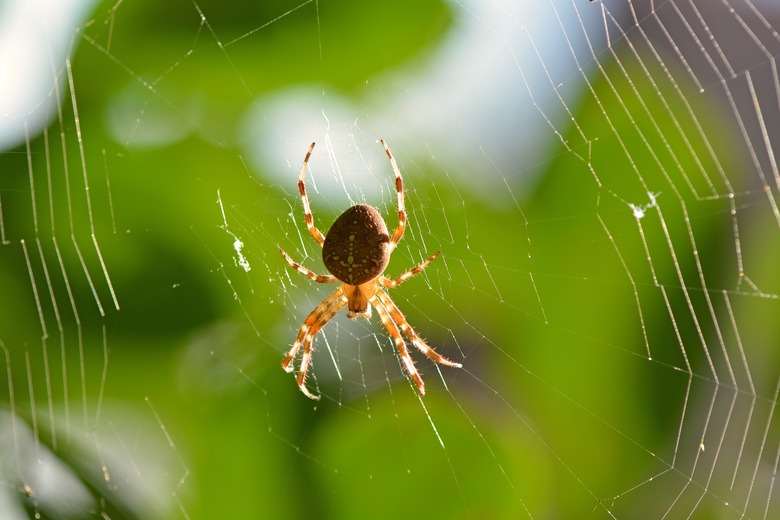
x=600 y=178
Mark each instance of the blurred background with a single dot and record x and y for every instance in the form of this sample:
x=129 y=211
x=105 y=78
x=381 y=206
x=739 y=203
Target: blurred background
x=600 y=178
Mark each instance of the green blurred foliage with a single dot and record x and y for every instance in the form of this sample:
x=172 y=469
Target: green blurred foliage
x=552 y=407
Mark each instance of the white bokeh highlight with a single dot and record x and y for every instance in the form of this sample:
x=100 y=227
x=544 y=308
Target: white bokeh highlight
x=467 y=101
x=35 y=38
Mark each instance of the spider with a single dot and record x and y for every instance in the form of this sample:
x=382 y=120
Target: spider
x=356 y=251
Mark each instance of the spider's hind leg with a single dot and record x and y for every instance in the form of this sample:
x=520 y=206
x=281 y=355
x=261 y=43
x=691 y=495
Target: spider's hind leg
x=398 y=234
x=316 y=233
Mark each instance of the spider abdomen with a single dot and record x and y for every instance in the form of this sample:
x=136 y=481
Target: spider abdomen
x=357 y=247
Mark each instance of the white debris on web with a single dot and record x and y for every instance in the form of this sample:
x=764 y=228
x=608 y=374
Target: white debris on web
x=639 y=210
x=238 y=244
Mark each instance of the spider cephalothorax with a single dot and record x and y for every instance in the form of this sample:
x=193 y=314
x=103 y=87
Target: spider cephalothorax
x=356 y=251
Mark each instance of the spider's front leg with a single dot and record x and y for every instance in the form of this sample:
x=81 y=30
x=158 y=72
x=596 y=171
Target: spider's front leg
x=317 y=319
x=394 y=321
x=400 y=344
x=397 y=317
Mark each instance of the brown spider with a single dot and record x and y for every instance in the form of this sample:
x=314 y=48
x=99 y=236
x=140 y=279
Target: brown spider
x=356 y=252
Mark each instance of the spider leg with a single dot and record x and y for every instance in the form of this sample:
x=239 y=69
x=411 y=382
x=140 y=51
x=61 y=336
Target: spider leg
x=399 y=187
x=316 y=233
x=311 y=320
x=400 y=344
x=317 y=319
x=319 y=278
x=390 y=283
x=417 y=341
